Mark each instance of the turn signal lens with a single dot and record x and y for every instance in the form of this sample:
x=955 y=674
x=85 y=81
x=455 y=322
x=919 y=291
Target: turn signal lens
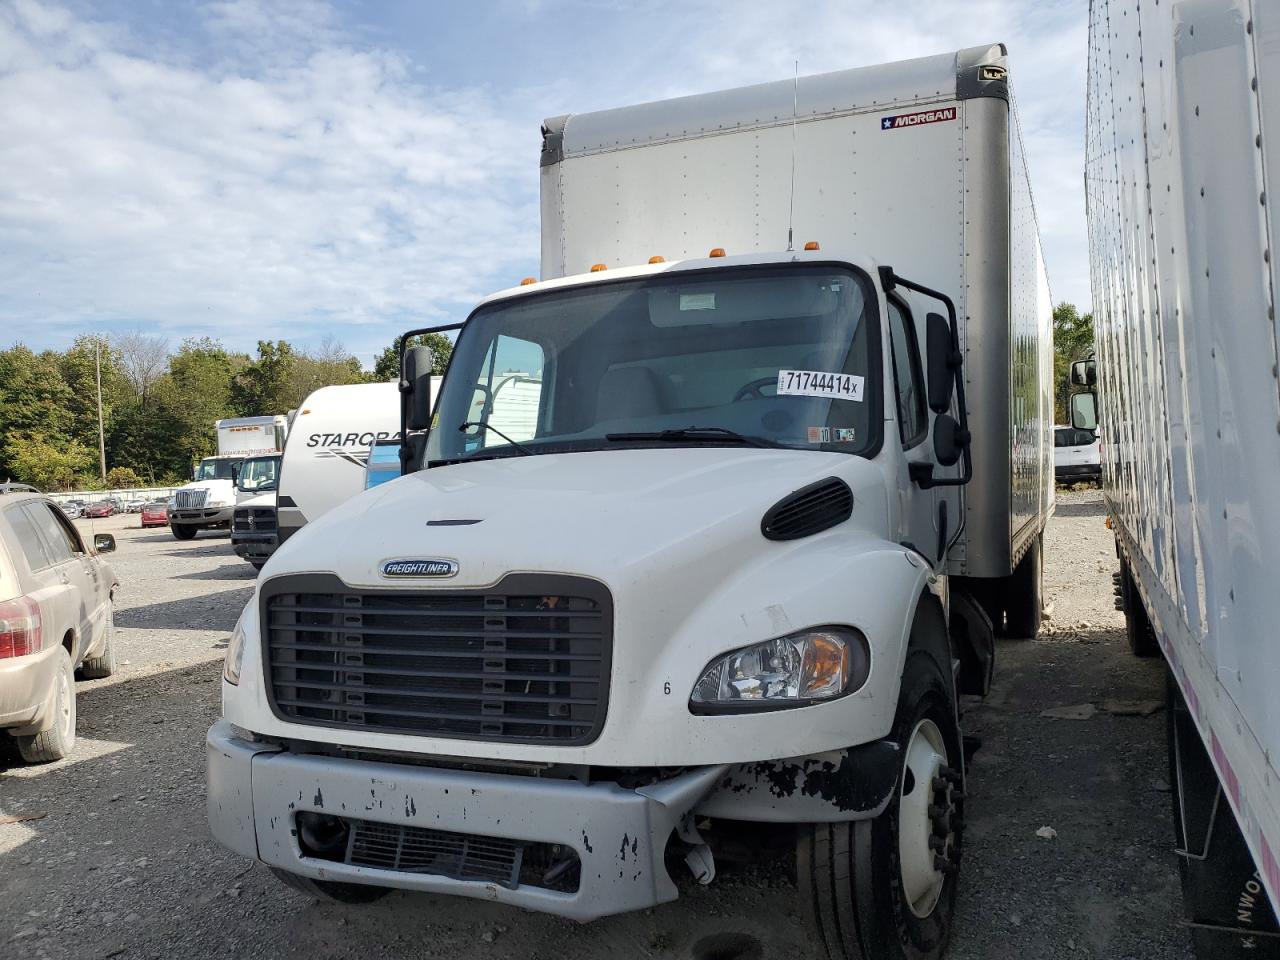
x=716 y=252
x=597 y=267
x=528 y=280
x=812 y=245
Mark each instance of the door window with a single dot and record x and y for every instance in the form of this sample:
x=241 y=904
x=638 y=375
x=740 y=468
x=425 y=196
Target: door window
x=913 y=423
x=29 y=540
x=60 y=545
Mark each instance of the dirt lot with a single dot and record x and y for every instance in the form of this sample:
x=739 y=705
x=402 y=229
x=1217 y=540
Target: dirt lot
x=120 y=863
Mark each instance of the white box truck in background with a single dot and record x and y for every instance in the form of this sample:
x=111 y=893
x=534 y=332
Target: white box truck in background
x=1181 y=173
x=208 y=501
x=683 y=541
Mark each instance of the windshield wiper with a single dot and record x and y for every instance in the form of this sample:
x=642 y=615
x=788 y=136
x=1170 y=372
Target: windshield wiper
x=468 y=424
x=691 y=435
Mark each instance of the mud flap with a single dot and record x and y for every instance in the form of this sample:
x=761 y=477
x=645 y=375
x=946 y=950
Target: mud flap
x=973 y=642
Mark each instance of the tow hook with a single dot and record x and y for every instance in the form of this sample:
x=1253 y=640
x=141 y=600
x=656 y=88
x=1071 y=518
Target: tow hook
x=699 y=859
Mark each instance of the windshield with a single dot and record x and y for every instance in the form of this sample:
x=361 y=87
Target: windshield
x=258 y=473
x=771 y=356
x=213 y=469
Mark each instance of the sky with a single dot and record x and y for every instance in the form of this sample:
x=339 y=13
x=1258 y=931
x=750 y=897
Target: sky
x=248 y=169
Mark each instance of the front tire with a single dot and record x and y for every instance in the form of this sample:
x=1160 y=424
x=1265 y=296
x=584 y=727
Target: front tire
x=56 y=742
x=331 y=890
x=184 y=532
x=885 y=889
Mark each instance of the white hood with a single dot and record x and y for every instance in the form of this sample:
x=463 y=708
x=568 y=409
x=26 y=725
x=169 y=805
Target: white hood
x=611 y=515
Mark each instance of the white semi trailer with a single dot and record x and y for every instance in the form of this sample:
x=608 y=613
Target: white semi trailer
x=706 y=526
x=1182 y=168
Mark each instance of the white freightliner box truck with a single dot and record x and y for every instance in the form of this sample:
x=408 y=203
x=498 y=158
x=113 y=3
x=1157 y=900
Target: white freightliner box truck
x=208 y=501
x=684 y=541
x=1182 y=167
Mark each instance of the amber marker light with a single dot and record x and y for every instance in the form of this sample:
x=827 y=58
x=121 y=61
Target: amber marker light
x=597 y=267
x=812 y=245
x=716 y=252
x=657 y=259
x=528 y=280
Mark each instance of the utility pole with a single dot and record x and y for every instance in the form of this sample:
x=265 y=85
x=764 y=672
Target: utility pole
x=102 y=443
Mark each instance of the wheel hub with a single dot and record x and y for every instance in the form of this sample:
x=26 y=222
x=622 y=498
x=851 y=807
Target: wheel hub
x=927 y=816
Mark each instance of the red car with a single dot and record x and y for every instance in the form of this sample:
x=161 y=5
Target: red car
x=155 y=514
x=97 y=511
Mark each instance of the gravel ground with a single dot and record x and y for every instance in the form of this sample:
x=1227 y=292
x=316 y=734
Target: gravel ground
x=120 y=863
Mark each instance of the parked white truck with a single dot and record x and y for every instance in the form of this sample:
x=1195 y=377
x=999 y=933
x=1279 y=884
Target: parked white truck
x=208 y=501
x=253 y=522
x=1182 y=165
x=726 y=565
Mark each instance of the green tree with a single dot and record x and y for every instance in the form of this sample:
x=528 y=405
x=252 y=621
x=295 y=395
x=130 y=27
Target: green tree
x=331 y=364
x=262 y=387
x=32 y=457
x=387 y=366
x=122 y=478
x=1072 y=340
x=34 y=399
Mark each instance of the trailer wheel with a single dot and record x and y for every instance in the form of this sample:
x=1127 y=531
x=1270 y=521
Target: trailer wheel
x=1222 y=894
x=885 y=889
x=331 y=890
x=1137 y=623
x=1024 y=596
x=182 y=531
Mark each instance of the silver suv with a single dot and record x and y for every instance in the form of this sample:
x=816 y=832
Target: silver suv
x=55 y=619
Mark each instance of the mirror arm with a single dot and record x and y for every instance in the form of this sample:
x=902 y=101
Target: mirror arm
x=889 y=280
x=921 y=474
x=406 y=451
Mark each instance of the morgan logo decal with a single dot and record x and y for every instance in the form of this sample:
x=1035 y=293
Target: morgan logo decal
x=419 y=568
x=916 y=119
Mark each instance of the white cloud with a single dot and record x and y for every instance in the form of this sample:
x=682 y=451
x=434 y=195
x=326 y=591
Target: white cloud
x=276 y=170
x=251 y=199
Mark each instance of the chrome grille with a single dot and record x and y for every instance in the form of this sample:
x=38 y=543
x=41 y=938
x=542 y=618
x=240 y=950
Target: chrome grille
x=525 y=662
x=190 y=499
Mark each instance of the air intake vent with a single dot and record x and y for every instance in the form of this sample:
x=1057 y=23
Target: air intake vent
x=809 y=510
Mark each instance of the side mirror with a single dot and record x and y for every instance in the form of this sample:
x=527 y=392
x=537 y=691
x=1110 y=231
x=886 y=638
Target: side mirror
x=1084 y=409
x=415 y=383
x=194 y=468
x=943 y=362
x=104 y=543
x=949 y=440
x=1084 y=373
x=235 y=475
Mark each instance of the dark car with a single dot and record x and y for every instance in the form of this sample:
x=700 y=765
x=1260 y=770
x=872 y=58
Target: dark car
x=103 y=508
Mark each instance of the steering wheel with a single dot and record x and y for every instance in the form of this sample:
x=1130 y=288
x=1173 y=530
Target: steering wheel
x=751 y=391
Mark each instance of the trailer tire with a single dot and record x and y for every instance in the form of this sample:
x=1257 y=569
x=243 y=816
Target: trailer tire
x=182 y=531
x=864 y=892
x=1222 y=893
x=331 y=890
x=1137 y=622
x=1024 y=596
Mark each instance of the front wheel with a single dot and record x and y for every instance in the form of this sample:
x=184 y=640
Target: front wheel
x=183 y=532
x=885 y=889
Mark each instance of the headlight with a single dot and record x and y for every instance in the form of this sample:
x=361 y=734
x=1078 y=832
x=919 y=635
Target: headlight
x=792 y=671
x=235 y=652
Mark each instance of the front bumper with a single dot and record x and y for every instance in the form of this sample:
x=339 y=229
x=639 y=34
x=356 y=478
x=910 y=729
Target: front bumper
x=254 y=546
x=203 y=515
x=620 y=835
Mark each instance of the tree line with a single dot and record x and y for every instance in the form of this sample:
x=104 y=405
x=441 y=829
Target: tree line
x=1072 y=340
x=158 y=404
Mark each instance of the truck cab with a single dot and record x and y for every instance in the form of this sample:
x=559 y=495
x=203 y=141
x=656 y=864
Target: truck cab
x=253 y=524
x=685 y=540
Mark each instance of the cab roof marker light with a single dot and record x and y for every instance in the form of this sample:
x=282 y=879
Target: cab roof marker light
x=597 y=267
x=812 y=245
x=528 y=280
x=657 y=259
x=716 y=252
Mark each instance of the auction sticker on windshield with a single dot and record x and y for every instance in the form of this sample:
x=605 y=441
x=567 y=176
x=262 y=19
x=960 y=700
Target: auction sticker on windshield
x=816 y=383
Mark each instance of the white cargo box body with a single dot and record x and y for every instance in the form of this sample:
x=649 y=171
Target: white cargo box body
x=1182 y=164
x=251 y=436
x=918 y=164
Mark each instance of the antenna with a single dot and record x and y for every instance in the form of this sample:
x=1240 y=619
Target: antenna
x=791 y=213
